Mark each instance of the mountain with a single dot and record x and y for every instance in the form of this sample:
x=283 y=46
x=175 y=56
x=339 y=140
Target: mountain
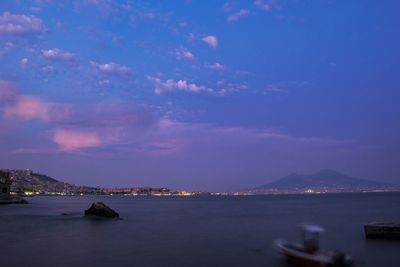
x=323 y=181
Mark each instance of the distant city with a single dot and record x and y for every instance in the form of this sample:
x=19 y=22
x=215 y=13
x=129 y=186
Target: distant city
x=25 y=182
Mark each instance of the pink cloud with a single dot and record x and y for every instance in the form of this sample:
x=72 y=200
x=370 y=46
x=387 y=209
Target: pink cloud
x=236 y=16
x=69 y=140
x=111 y=126
x=211 y=40
x=32 y=107
x=192 y=133
x=27 y=107
x=12 y=24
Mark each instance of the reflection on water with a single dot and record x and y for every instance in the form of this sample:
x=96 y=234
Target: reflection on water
x=198 y=231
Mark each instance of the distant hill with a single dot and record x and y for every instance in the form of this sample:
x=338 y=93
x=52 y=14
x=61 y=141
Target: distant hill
x=44 y=178
x=26 y=180
x=324 y=180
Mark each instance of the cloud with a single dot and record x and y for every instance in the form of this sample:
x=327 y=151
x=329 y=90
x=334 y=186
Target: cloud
x=104 y=83
x=183 y=53
x=228 y=6
x=174 y=137
x=243 y=135
x=121 y=127
x=236 y=16
x=12 y=24
x=57 y=54
x=8 y=46
x=111 y=68
x=285 y=87
x=117 y=126
x=24 y=62
x=221 y=88
x=69 y=140
x=32 y=107
x=211 y=40
x=115 y=114
x=216 y=66
x=48 y=69
x=171 y=85
x=105 y=7
x=263 y=5
x=27 y=107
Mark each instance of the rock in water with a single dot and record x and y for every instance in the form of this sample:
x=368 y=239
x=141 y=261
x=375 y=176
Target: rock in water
x=100 y=209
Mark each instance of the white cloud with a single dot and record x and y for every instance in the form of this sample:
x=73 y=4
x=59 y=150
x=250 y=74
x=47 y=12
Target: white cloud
x=105 y=83
x=8 y=46
x=228 y=7
x=236 y=16
x=48 y=69
x=183 y=53
x=171 y=85
x=285 y=87
x=12 y=24
x=263 y=5
x=23 y=62
x=211 y=40
x=57 y=54
x=216 y=66
x=111 y=68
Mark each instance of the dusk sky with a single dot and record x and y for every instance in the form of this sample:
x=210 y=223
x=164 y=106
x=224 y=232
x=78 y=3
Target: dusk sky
x=200 y=95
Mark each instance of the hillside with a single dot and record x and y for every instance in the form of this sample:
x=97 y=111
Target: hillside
x=29 y=183
x=26 y=180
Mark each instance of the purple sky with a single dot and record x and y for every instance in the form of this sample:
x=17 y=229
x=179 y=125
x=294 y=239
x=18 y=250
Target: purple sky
x=199 y=95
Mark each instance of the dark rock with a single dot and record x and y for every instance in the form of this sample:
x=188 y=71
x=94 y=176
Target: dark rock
x=99 y=209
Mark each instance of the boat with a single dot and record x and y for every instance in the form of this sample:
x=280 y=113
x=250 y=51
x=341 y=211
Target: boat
x=308 y=254
x=382 y=230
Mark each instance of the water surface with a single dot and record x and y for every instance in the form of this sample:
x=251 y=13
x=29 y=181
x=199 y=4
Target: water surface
x=191 y=231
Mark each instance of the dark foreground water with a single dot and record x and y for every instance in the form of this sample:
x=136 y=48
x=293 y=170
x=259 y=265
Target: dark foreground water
x=194 y=231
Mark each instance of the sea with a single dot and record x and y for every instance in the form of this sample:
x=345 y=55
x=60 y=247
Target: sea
x=192 y=231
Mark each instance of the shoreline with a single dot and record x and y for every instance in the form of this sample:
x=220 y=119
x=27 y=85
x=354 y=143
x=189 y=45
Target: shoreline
x=211 y=194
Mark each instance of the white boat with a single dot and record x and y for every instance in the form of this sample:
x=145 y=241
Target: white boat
x=308 y=254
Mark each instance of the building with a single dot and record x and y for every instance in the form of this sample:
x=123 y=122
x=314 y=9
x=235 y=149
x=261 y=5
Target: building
x=5 y=184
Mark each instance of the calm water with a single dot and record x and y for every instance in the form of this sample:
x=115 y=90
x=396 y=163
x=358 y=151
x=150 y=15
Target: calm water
x=199 y=231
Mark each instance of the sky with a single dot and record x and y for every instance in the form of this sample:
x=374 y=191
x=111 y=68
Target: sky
x=199 y=95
